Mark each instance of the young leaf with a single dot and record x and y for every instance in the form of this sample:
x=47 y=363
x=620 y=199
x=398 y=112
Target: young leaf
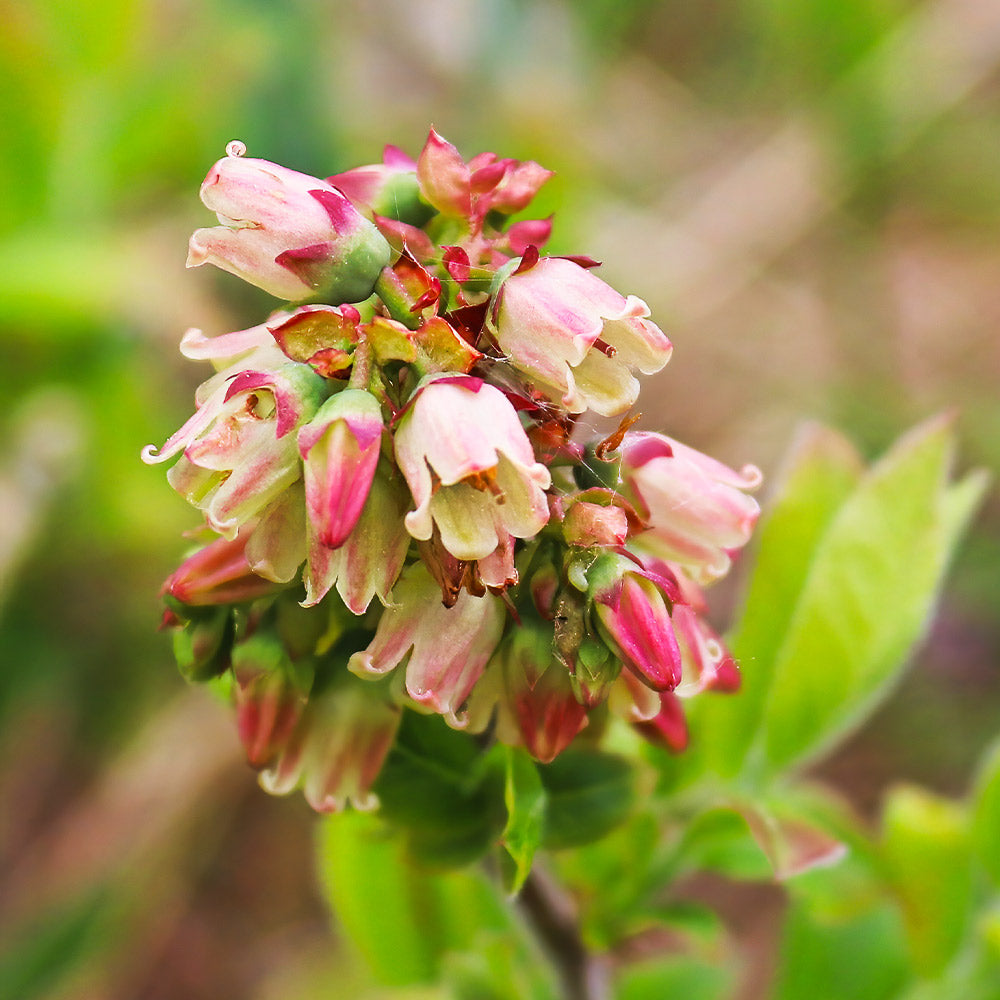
x=588 y=793
x=438 y=787
x=860 y=959
x=677 y=976
x=401 y=918
x=820 y=472
x=927 y=855
x=867 y=596
x=986 y=815
x=524 y=796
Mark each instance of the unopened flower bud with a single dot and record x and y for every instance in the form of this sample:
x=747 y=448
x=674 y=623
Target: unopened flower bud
x=293 y=235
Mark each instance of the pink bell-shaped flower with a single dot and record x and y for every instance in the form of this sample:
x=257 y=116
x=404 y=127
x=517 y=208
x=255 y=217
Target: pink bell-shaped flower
x=574 y=336
x=448 y=647
x=337 y=748
x=697 y=508
x=470 y=468
x=239 y=454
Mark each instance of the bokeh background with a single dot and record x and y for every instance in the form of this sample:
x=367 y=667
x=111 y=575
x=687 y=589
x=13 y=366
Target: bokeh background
x=806 y=193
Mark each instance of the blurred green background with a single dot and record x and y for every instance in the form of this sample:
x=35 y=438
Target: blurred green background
x=806 y=193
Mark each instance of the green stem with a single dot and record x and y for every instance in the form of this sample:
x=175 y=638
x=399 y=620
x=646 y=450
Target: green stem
x=361 y=368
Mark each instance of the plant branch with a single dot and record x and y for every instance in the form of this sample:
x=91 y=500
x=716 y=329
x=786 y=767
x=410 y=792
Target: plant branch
x=550 y=913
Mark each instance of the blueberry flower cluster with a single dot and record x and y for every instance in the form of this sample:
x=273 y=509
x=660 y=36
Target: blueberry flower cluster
x=401 y=510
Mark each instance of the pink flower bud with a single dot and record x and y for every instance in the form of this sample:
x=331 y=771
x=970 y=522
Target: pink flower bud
x=371 y=558
x=575 y=337
x=268 y=708
x=217 y=574
x=537 y=699
x=340 y=449
x=633 y=618
x=470 y=468
x=293 y=235
x=697 y=509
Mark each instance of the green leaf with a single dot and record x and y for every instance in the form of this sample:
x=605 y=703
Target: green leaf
x=589 y=793
x=524 y=797
x=402 y=919
x=499 y=967
x=986 y=814
x=674 y=977
x=927 y=855
x=820 y=472
x=866 y=597
x=861 y=959
x=439 y=787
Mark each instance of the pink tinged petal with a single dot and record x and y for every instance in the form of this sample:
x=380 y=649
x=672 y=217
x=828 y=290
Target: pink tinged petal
x=340 y=450
x=444 y=177
x=245 y=254
x=548 y=714
x=529 y=232
x=277 y=545
x=337 y=749
x=268 y=211
x=457 y=427
x=199 y=422
x=497 y=570
x=696 y=507
x=268 y=709
x=589 y=524
x=520 y=184
x=219 y=573
x=632 y=700
x=230 y=346
x=261 y=477
x=370 y=561
x=702 y=653
x=448 y=647
x=346 y=755
x=638 y=623
x=669 y=727
x=548 y=320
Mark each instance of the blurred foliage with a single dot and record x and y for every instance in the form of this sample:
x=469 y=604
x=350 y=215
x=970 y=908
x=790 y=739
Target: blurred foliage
x=808 y=192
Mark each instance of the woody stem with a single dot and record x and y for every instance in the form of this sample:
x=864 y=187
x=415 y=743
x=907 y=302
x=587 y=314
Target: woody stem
x=550 y=913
